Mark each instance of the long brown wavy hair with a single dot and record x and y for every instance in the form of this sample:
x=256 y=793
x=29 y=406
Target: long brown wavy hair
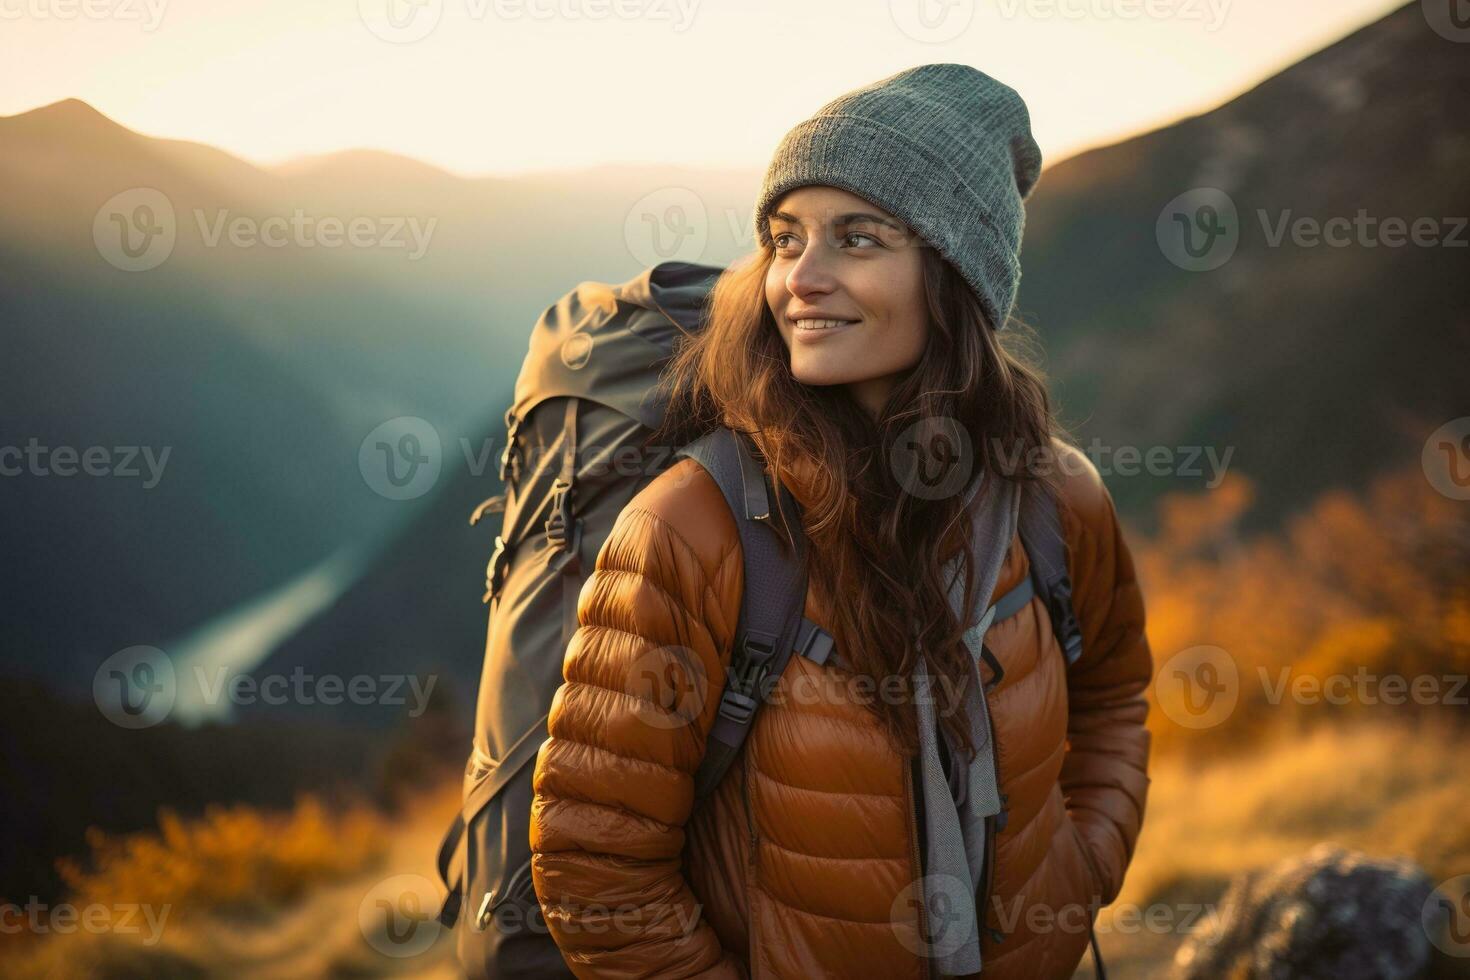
x=872 y=543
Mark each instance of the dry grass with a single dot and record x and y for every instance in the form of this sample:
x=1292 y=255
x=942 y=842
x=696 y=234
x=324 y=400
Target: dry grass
x=1390 y=790
x=235 y=860
x=247 y=894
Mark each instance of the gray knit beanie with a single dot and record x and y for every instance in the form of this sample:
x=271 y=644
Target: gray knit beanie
x=945 y=148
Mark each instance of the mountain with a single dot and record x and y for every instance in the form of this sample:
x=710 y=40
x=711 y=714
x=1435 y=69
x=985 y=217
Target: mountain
x=264 y=368
x=1314 y=368
x=1319 y=365
x=258 y=352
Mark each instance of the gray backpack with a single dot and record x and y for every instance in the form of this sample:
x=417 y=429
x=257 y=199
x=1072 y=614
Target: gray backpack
x=590 y=379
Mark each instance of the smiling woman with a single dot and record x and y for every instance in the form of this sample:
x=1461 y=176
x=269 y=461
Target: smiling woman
x=973 y=796
x=846 y=286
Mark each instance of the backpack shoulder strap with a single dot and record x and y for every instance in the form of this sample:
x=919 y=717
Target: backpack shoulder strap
x=1046 y=549
x=771 y=623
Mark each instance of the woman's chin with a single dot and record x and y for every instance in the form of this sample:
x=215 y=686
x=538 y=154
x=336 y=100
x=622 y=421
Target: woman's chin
x=821 y=371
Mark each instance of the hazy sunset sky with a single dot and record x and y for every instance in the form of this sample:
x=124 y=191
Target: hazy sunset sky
x=508 y=86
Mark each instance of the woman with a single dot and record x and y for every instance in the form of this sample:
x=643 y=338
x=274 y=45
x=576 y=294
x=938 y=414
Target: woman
x=865 y=326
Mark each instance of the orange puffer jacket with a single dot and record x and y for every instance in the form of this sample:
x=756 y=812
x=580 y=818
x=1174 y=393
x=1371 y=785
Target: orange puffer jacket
x=805 y=860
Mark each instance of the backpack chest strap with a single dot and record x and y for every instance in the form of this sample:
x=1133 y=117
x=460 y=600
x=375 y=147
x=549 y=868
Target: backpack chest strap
x=816 y=644
x=1014 y=601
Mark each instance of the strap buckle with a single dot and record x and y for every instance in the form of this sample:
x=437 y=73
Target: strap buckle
x=748 y=676
x=737 y=707
x=560 y=523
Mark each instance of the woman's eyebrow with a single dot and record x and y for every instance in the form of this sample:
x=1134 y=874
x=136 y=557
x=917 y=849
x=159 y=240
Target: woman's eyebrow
x=850 y=218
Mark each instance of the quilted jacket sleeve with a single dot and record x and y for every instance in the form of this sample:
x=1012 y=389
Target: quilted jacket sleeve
x=1104 y=774
x=614 y=782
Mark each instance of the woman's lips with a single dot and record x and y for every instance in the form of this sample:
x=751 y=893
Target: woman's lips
x=808 y=331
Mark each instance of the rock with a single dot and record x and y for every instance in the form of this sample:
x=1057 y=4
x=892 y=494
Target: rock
x=1329 y=913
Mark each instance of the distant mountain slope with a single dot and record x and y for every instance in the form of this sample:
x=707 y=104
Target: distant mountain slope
x=1319 y=365
x=97 y=563
x=260 y=368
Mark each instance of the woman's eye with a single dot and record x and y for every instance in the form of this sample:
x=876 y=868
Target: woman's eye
x=857 y=234
x=777 y=239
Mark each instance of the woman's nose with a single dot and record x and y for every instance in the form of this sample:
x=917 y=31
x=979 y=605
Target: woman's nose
x=812 y=272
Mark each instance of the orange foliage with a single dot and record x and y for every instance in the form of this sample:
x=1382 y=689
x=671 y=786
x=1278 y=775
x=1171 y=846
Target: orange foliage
x=234 y=858
x=1357 y=586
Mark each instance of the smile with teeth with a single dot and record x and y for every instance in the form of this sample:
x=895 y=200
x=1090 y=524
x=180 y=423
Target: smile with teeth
x=822 y=324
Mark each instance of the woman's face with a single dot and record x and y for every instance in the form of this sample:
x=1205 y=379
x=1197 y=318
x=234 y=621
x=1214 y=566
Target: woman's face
x=839 y=257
